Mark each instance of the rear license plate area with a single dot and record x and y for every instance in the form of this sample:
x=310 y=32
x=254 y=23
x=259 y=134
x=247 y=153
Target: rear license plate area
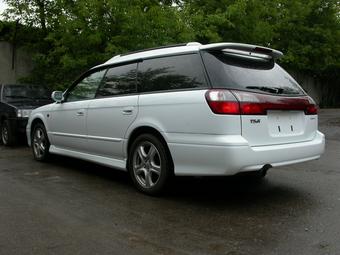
x=285 y=123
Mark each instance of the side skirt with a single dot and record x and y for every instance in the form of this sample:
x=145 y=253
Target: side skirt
x=110 y=162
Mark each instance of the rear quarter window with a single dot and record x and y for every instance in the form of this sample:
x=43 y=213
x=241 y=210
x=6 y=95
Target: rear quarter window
x=171 y=73
x=227 y=70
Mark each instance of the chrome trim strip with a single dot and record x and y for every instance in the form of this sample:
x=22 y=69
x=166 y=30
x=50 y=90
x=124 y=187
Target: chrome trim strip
x=99 y=138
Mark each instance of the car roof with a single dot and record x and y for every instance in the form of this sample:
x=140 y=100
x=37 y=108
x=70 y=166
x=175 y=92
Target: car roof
x=193 y=47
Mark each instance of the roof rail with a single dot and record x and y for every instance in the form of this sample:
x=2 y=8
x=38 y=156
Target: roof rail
x=243 y=47
x=155 y=48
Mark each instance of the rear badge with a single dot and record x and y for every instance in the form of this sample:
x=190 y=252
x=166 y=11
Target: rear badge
x=255 y=121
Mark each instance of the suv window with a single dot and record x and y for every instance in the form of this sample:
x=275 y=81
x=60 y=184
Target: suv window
x=119 y=80
x=86 y=88
x=228 y=70
x=171 y=73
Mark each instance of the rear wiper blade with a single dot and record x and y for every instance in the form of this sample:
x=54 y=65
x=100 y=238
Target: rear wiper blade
x=274 y=90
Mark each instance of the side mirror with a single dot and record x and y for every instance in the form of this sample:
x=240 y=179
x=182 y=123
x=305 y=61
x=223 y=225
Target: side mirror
x=57 y=96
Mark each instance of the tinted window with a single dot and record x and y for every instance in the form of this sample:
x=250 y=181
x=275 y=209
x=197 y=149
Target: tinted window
x=228 y=70
x=169 y=73
x=87 y=88
x=119 y=80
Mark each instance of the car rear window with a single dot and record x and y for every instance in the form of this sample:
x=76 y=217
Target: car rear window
x=230 y=70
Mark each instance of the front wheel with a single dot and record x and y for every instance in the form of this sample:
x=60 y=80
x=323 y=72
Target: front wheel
x=149 y=164
x=40 y=143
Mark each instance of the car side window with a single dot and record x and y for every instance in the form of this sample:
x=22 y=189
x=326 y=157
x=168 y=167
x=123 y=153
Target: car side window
x=86 y=88
x=171 y=73
x=119 y=80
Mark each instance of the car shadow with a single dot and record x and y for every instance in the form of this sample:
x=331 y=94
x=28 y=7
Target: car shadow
x=213 y=192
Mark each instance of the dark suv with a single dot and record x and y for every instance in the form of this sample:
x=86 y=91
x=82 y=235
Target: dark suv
x=16 y=104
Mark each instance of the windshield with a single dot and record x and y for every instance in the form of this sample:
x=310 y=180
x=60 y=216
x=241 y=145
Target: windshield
x=229 y=70
x=15 y=93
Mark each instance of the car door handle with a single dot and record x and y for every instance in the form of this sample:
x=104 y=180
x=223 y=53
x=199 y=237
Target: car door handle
x=80 y=113
x=127 y=110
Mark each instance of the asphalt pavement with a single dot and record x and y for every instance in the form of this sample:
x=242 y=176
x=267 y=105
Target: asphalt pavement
x=68 y=206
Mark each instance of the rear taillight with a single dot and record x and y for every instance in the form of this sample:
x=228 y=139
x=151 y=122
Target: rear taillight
x=311 y=110
x=248 y=103
x=222 y=102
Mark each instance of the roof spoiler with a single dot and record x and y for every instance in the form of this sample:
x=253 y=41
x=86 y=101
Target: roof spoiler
x=244 y=47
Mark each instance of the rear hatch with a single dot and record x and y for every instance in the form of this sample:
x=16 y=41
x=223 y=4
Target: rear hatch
x=273 y=108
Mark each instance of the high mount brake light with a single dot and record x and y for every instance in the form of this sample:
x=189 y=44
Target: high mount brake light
x=237 y=102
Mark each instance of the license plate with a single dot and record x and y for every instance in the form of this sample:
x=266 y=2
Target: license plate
x=285 y=123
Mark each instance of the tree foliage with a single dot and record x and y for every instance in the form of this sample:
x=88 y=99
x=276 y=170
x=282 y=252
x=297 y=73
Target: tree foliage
x=74 y=35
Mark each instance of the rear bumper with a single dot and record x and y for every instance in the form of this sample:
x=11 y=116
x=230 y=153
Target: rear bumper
x=229 y=155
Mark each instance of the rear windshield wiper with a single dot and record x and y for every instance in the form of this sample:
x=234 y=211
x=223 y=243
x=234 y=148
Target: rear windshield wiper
x=274 y=90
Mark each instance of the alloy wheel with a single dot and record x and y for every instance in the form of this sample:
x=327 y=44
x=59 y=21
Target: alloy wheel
x=4 y=135
x=39 y=142
x=147 y=164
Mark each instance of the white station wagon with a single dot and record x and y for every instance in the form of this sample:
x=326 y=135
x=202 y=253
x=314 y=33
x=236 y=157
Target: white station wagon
x=190 y=109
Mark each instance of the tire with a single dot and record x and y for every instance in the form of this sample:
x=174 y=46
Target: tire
x=7 y=134
x=150 y=165
x=40 y=143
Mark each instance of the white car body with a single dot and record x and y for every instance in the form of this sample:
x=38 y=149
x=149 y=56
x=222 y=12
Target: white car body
x=201 y=143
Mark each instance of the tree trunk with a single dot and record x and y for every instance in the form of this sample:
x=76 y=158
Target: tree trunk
x=42 y=14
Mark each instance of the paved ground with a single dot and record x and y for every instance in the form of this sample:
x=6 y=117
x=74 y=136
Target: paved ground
x=72 y=207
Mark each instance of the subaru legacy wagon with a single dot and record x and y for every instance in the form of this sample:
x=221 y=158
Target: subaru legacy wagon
x=186 y=110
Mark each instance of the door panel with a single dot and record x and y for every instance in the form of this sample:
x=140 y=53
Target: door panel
x=68 y=125
x=115 y=108
x=68 y=119
x=107 y=121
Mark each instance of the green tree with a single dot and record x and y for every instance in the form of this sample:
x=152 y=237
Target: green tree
x=80 y=33
x=74 y=35
x=307 y=32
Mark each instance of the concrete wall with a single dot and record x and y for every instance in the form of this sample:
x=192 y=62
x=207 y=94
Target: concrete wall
x=22 y=63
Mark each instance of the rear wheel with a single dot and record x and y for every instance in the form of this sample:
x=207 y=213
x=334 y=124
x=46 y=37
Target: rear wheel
x=149 y=164
x=7 y=135
x=40 y=143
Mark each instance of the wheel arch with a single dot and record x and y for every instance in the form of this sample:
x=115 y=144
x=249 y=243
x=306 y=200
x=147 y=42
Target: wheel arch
x=35 y=121
x=146 y=130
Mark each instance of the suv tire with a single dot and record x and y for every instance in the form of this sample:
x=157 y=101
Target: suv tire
x=149 y=164
x=7 y=136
